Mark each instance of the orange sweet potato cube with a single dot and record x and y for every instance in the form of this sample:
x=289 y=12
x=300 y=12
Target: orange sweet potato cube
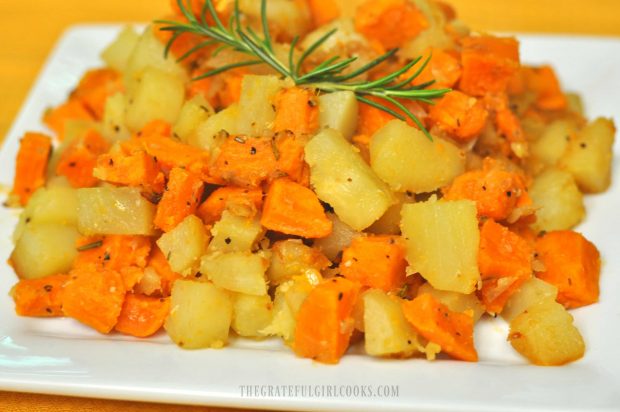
x=489 y=63
x=375 y=261
x=572 y=264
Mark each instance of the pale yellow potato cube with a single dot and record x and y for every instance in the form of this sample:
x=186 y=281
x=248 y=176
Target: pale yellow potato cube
x=530 y=293
x=44 y=249
x=193 y=113
x=559 y=200
x=339 y=111
x=57 y=204
x=157 y=95
x=113 y=125
x=116 y=55
x=211 y=133
x=251 y=314
x=241 y=272
x=550 y=146
x=408 y=161
x=386 y=331
x=256 y=104
x=149 y=53
x=184 y=245
x=288 y=299
x=234 y=233
x=442 y=239
x=111 y=210
x=545 y=335
x=589 y=156
x=200 y=315
x=342 y=178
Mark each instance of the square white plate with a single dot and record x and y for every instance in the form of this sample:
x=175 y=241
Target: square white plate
x=59 y=356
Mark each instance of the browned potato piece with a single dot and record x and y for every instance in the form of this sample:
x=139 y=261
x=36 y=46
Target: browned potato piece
x=545 y=335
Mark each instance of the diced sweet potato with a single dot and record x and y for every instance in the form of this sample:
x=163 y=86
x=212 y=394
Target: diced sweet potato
x=390 y=22
x=375 y=261
x=505 y=262
x=94 y=297
x=80 y=158
x=545 y=84
x=326 y=340
x=40 y=297
x=453 y=331
x=495 y=190
x=488 y=64
x=181 y=198
x=30 y=165
x=462 y=117
x=112 y=252
x=296 y=110
x=295 y=210
x=72 y=109
x=245 y=161
x=241 y=201
x=572 y=264
x=142 y=316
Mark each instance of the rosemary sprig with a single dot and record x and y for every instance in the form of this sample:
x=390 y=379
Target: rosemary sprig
x=327 y=77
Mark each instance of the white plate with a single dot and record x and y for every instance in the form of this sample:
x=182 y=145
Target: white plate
x=59 y=356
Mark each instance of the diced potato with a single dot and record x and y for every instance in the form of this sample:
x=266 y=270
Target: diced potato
x=114 y=211
x=342 y=178
x=117 y=54
x=44 y=249
x=251 y=314
x=157 y=95
x=184 y=245
x=58 y=181
x=389 y=223
x=456 y=302
x=589 y=156
x=193 y=113
x=291 y=258
x=211 y=133
x=442 y=240
x=553 y=142
x=149 y=52
x=545 y=335
x=387 y=332
x=290 y=18
x=256 y=104
x=113 y=126
x=200 y=315
x=561 y=203
x=241 y=272
x=340 y=238
x=408 y=161
x=575 y=104
x=235 y=233
x=339 y=111
x=532 y=292
x=288 y=299
x=49 y=205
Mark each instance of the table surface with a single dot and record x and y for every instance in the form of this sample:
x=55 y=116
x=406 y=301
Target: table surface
x=31 y=27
